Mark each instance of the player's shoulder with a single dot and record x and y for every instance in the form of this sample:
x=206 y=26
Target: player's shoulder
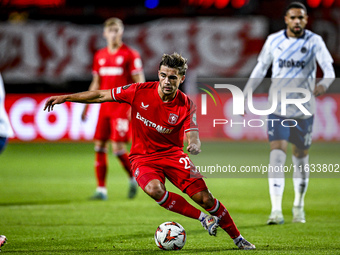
x=147 y=85
x=102 y=51
x=184 y=99
x=129 y=50
x=309 y=35
x=277 y=35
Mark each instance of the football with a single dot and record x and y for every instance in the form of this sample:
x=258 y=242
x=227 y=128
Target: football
x=170 y=236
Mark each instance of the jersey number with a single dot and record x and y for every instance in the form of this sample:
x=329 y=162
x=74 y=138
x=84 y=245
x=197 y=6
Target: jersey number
x=122 y=125
x=308 y=139
x=186 y=162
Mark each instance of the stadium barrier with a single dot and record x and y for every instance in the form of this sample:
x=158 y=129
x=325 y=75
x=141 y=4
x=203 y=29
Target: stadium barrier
x=31 y=123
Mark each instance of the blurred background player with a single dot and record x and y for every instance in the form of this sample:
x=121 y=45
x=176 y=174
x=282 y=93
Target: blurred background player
x=5 y=132
x=161 y=115
x=5 y=126
x=113 y=66
x=292 y=52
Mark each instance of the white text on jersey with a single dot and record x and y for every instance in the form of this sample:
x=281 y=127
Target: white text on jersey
x=149 y=123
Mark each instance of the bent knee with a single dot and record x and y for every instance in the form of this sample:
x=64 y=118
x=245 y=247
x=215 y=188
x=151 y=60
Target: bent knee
x=155 y=189
x=204 y=199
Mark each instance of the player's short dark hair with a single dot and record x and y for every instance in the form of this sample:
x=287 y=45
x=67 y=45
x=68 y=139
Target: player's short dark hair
x=297 y=5
x=175 y=60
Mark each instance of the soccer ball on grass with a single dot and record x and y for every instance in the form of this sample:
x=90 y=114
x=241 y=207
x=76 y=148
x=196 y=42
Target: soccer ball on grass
x=170 y=236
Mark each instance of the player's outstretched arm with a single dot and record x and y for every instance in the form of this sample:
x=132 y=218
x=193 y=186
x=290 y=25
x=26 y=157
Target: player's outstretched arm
x=194 y=143
x=88 y=97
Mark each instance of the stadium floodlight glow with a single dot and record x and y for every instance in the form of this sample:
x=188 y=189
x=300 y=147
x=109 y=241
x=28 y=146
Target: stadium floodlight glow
x=207 y=3
x=151 y=4
x=313 y=3
x=220 y=4
x=239 y=3
x=327 y=3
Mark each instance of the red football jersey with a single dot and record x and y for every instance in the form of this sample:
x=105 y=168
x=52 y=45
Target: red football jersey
x=116 y=70
x=157 y=127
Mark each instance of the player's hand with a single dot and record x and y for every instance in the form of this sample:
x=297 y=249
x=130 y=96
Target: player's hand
x=53 y=101
x=193 y=149
x=319 y=90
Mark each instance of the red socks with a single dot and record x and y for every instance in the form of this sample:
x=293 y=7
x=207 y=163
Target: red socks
x=124 y=159
x=226 y=222
x=101 y=168
x=176 y=203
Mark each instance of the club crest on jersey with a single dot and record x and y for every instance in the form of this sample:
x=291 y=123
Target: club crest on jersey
x=119 y=60
x=173 y=118
x=102 y=61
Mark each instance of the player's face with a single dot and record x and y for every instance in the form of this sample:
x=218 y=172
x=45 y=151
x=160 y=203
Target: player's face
x=169 y=80
x=113 y=34
x=296 y=21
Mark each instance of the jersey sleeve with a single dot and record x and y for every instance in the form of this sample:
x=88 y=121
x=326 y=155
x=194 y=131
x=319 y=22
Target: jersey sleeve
x=124 y=94
x=190 y=123
x=325 y=61
x=322 y=54
x=266 y=56
x=135 y=65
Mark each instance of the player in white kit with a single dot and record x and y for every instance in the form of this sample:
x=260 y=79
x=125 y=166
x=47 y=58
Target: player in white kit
x=293 y=53
x=6 y=130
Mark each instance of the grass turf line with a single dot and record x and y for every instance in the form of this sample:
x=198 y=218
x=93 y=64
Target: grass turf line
x=44 y=207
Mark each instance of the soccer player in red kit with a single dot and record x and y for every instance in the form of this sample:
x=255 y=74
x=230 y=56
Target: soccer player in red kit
x=161 y=115
x=113 y=66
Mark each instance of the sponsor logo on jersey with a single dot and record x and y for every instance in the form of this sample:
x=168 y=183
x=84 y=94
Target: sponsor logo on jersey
x=173 y=118
x=291 y=63
x=119 y=89
x=111 y=71
x=151 y=124
x=145 y=107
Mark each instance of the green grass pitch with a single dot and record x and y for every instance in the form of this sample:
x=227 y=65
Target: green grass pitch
x=44 y=208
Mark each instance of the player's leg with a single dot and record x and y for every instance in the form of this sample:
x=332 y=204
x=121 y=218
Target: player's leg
x=3 y=142
x=180 y=170
x=101 y=137
x=206 y=200
x=301 y=138
x=100 y=170
x=278 y=137
x=120 y=136
x=171 y=201
x=300 y=180
x=151 y=179
x=276 y=179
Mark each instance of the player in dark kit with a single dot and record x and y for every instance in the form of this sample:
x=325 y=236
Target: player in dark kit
x=161 y=114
